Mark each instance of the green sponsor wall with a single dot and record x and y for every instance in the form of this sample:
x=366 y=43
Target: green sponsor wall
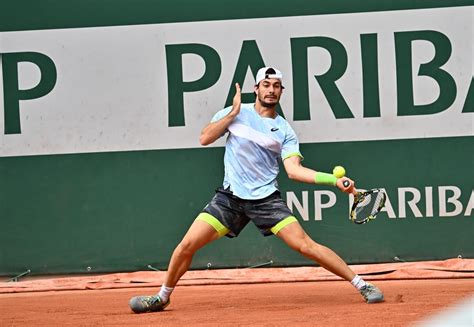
x=126 y=210
x=123 y=211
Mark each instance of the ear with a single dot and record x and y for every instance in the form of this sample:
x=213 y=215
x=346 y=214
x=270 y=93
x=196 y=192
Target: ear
x=255 y=89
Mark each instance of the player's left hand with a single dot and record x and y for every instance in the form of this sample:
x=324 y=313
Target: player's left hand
x=236 y=102
x=347 y=189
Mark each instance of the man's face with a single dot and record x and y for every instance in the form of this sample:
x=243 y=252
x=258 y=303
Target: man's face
x=269 y=92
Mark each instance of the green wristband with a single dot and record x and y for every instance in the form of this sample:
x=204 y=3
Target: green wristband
x=325 y=179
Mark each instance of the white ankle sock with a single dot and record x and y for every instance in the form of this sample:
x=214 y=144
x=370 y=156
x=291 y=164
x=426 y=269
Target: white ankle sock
x=358 y=282
x=165 y=292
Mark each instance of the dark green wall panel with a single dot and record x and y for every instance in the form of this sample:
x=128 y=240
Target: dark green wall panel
x=124 y=210
x=32 y=15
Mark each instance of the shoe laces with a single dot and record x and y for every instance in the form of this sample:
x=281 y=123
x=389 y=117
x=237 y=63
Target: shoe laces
x=368 y=289
x=152 y=300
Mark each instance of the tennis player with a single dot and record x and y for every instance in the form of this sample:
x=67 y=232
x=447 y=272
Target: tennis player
x=257 y=139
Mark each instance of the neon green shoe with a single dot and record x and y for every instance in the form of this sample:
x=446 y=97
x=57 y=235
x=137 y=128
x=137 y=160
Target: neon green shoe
x=371 y=294
x=142 y=304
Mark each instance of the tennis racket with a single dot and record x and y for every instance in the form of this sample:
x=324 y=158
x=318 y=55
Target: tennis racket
x=367 y=204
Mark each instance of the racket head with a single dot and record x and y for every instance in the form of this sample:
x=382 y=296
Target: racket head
x=367 y=204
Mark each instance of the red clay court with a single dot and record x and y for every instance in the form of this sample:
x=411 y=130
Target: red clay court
x=306 y=296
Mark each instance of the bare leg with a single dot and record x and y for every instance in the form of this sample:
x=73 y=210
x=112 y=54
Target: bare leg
x=199 y=234
x=298 y=240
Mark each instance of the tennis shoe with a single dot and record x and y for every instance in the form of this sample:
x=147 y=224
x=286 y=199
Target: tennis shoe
x=141 y=304
x=371 y=293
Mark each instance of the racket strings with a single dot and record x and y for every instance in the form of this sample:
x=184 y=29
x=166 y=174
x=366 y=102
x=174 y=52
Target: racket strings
x=379 y=202
x=368 y=205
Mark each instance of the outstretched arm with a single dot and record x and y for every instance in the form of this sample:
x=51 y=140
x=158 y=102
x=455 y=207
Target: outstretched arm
x=214 y=130
x=296 y=171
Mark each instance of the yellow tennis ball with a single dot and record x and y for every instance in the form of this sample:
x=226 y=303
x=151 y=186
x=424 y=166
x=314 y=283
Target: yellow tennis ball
x=339 y=171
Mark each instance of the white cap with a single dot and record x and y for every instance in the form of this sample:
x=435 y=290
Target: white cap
x=268 y=72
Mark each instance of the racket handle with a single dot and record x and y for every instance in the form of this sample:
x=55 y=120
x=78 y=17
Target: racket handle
x=346 y=184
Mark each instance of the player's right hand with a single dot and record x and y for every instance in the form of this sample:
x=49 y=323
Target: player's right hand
x=346 y=185
x=237 y=100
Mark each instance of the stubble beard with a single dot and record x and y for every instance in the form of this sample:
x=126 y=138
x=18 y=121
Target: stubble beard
x=266 y=104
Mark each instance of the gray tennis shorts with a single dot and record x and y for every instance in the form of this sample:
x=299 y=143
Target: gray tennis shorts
x=235 y=213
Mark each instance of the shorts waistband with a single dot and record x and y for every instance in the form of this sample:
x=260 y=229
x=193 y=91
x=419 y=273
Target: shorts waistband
x=229 y=193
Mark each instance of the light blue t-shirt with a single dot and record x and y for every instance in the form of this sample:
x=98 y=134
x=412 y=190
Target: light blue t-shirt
x=253 y=149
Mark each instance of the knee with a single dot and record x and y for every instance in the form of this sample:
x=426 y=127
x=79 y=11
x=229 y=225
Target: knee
x=309 y=248
x=304 y=248
x=185 y=248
